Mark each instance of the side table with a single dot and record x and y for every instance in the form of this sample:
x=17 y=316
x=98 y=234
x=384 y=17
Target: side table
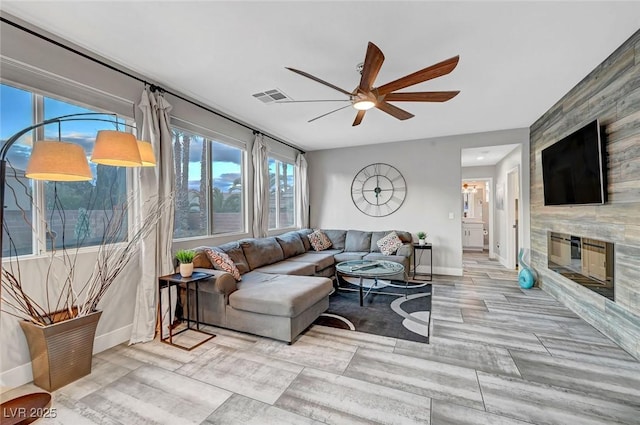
x=177 y=280
x=417 y=260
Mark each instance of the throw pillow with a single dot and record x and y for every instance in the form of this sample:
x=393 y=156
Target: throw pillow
x=222 y=261
x=319 y=241
x=389 y=244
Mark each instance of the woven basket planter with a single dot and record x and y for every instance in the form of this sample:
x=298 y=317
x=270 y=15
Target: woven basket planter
x=62 y=352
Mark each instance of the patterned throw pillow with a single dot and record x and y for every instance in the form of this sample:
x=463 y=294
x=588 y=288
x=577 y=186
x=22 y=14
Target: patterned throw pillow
x=222 y=261
x=389 y=244
x=319 y=241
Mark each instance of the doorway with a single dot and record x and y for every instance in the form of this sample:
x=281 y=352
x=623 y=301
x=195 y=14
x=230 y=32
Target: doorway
x=477 y=215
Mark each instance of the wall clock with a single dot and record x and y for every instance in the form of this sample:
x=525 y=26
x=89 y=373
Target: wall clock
x=378 y=190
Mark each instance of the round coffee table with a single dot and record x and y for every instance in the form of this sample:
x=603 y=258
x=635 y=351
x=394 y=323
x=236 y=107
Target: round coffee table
x=371 y=269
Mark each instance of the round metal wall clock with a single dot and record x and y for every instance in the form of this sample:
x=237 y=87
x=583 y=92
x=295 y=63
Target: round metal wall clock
x=378 y=190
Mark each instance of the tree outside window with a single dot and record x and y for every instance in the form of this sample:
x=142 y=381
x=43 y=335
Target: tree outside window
x=281 y=194
x=209 y=186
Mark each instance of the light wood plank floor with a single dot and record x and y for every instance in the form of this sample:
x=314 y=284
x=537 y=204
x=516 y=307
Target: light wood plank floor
x=498 y=355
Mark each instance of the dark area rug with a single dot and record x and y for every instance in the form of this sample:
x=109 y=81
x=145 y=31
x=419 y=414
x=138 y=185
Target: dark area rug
x=395 y=316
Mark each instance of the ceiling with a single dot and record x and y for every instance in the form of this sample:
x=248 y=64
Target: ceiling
x=486 y=155
x=516 y=58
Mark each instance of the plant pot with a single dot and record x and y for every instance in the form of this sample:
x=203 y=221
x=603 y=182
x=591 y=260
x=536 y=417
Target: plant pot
x=186 y=270
x=62 y=352
x=422 y=241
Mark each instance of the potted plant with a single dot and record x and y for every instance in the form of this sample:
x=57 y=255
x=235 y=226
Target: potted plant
x=185 y=257
x=60 y=322
x=422 y=238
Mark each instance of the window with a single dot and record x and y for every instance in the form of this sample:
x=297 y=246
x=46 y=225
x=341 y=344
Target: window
x=281 y=194
x=190 y=161
x=77 y=212
x=228 y=192
x=15 y=114
x=209 y=186
x=73 y=213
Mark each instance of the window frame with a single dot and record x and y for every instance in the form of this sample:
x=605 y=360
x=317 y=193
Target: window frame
x=209 y=138
x=38 y=215
x=280 y=160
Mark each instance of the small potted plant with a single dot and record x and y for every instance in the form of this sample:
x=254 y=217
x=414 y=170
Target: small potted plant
x=185 y=257
x=422 y=237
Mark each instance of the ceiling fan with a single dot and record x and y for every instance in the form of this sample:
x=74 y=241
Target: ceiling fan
x=365 y=96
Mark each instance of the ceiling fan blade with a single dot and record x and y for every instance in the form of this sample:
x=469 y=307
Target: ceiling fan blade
x=331 y=112
x=358 y=119
x=318 y=80
x=425 y=96
x=428 y=73
x=394 y=111
x=372 y=64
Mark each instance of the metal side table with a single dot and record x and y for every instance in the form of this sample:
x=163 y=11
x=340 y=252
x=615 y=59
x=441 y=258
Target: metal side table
x=177 y=280
x=418 y=259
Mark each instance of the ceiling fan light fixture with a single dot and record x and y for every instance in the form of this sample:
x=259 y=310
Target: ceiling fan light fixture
x=363 y=105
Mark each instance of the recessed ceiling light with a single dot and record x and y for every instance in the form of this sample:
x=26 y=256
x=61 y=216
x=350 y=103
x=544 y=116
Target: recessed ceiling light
x=480 y=158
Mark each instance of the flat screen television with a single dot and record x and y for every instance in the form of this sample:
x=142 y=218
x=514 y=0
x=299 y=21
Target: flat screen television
x=574 y=169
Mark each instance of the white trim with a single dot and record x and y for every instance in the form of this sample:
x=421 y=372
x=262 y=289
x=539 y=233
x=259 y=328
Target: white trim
x=449 y=271
x=22 y=374
x=111 y=339
x=512 y=238
x=16 y=377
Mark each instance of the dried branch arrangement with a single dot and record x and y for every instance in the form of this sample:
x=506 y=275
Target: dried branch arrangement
x=64 y=296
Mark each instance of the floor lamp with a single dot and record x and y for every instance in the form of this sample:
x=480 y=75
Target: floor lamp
x=55 y=160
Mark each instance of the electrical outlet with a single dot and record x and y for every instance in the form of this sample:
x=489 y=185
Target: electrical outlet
x=451 y=216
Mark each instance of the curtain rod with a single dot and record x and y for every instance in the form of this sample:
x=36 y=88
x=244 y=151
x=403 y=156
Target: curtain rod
x=153 y=87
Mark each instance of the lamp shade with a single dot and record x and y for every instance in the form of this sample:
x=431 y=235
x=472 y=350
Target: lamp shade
x=58 y=161
x=146 y=154
x=116 y=148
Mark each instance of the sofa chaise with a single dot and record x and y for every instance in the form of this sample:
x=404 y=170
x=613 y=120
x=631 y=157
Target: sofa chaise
x=284 y=283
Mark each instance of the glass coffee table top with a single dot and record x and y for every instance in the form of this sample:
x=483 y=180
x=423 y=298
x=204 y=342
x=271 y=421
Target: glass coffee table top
x=369 y=268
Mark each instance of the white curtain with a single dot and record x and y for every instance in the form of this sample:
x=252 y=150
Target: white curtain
x=260 y=187
x=302 y=192
x=154 y=185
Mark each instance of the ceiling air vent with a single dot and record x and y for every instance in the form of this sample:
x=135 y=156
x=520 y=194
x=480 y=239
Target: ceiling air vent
x=271 y=96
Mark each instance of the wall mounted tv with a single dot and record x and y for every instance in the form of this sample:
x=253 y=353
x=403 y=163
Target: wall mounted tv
x=574 y=169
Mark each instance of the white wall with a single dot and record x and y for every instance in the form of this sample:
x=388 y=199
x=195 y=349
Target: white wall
x=432 y=170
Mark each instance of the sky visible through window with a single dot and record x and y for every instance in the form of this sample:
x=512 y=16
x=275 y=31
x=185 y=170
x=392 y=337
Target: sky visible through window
x=16 y=114
x=227 y=161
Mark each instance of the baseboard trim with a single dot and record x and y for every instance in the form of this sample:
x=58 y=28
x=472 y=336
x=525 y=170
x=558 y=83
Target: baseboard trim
x=111 y=339
x=15 y=377
x=22 y=374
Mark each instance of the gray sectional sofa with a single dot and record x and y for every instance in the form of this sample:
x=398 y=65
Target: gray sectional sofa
x=285 y=284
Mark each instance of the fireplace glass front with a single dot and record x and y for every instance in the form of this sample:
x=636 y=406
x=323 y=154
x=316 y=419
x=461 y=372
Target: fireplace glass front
x=586 y=261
